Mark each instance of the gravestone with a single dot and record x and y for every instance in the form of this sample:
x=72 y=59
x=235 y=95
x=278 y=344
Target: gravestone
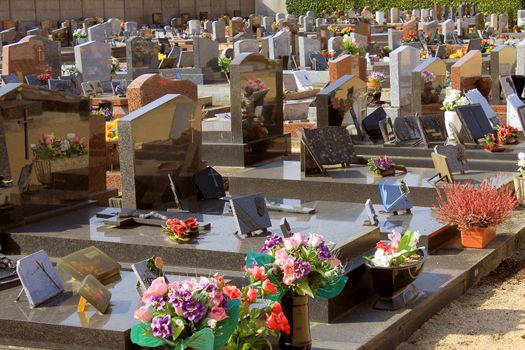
x=267 y=24
x=142 y=56
x=309 y=23
x=306 y=46
x=33 y=80
x=250 y=214
x=131 y=27
x=515 y=112
x=402 y=61
x=115 y=25
x=246 y=45
x=10 y=78
x=406 y=130
x=280 y=45
x=466 y=67
x=335 y=44
x=149 y=87
x=61 y=35
x=428 y=91
x=92 y=60
x=318 y=61
x=98 y=32
x=347 y=64
x=341 y=103
x=394 y=15
x=503 y=22
x=447 y=29
x=194 y=27
x=171 y=144
x=31 y=55
x=394 y=38
x=474 y=96
x=205 y=53
x=520 y=58
x=175 y=53
x=502 y=63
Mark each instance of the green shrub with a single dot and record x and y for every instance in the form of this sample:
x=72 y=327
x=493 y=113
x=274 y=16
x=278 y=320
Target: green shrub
x=299 y=7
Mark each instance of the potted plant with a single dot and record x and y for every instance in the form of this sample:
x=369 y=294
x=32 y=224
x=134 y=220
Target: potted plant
x=300 y=266
x=352 y=47
x=490 y=143
x=382 y=166
x=475 y=210
x=373 y=84
x=507 y=134
x=453 y=100
x=54 y=154
x=519 y=181
x=395 y=264
x=6 y=186
x=187 y=314
x=224 y=65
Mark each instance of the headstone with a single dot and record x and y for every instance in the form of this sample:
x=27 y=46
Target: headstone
x=130 y=27
x=142 y=56
x=394 y=38
x=267 y=24
x=246 y=45
x=39 y=278
x=475 y=121
x=329 y=145
x=250 y=214
x=31 y=55
x=467 y=66
x=515 y=112
x=335 y=44
x=309 y=24
x=520 y=58
x=402 y=61
x=380 y=17
x=194 y=27
x=503 y=23
x=345 y=65
x=149 y=87
x=170 y=145
x=521 y=17
x=209 y=183
x=205 y=53
x=98 y=32
x=306 y=46
x=8 y=36
x=219 y=31
x=318 y=61
x=502 y=63
x=280 y=45
x=394 y=15
x=115 y=25
x=92 y=60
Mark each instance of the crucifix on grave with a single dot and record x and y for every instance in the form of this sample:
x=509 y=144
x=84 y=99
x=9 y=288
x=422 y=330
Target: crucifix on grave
x=24 y=122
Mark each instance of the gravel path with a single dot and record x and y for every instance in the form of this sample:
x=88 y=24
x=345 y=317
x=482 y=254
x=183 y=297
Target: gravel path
x=490 y=316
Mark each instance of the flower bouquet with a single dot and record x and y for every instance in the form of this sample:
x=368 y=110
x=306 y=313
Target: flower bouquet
x=352 y=47
x=189 y=314
x=327 y=54
x=410 y=37
x=114 y=64
x=299 y=266
x=347 y=30
x=112 y=130
x=382 y=166
x=490 y=143
x=507 y=134
x=181 y=231
x=453 y=100
x=44 y=77
x=253 y=94
x=395 y=264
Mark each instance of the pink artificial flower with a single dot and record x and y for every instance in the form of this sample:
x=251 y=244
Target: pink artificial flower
x=217 y=313
x=294 y=242
x=257 y=273
x=315 y=240
x=288 y=270
x=335 y=262
x=251 y=295
x=281 y=256
x=394 y=238
x=143 y=314
x=158 y=288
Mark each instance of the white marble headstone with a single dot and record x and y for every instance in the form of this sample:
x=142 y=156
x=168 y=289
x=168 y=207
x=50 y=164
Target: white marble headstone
x=402 y=61
x=514 y=106
x=280 y=45
x=306 y=46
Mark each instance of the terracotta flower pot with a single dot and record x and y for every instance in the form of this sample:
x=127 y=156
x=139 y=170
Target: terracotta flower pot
x=295 y=308
x=477 y=237
x=373 y=84
x=394 y=284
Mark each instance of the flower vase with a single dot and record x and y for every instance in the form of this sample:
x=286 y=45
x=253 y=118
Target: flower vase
x=451 y=117
x=519 y=187
x=295 y=308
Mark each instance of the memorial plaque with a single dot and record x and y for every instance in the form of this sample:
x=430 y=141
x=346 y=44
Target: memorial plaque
x=39 y=279
x=144 y=274
x=507 y=86
x=371 y=123
x=474 y=96
x=95 y=293
x=62 y=86
x=88 y=261
x=331 y=145
x=209 y=183
x=457 y=159
x=441 y=165
x=250 y=214
x=474 y=119
x=395 y=195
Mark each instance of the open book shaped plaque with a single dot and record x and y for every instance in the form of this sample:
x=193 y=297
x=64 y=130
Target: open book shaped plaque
x=457 y=159
x=251 y=214
x=93 y=292
x=443 y=172
x=475 y=121
x=330 y=145
x=90 y=260
x=395 y=196
x=39 y=278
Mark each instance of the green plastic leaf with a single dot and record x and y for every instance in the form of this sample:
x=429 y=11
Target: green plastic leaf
x=259 y=258
x=333 y=289
x=177 y=330
x=202 y=340
x=228 y=325
x=304 y=287
x=141 y=335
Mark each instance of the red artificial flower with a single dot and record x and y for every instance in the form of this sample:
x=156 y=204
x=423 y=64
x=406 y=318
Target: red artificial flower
x=192 y=223
x=251 y=295
x=269 y=288
x=232 y=292
x=178 y=227
x=278 y=322
x=257 y=273
x=277 y=308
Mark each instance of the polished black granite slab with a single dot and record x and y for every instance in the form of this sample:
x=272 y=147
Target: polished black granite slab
x=355 y=184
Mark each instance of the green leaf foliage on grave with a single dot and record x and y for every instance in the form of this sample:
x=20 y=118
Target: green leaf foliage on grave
x=319 y=7
x=229 y=325
x=141 y=335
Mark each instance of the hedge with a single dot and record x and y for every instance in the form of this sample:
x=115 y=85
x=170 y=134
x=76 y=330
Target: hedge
x=299 y=7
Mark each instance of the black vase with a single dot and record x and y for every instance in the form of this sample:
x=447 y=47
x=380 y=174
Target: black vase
x=394 y=284
x=295 y=308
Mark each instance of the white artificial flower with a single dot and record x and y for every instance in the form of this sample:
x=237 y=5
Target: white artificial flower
x=381 y=259
x=65 y=145
x=212 y=323
x=179 y=323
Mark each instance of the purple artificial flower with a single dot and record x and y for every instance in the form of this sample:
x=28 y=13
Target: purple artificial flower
x=158 y=303
x=323 y=252
x=161 y=327
x=177 y=298
x=301 y=268
x=193 y=310
x=271 y=241
x=384 y=163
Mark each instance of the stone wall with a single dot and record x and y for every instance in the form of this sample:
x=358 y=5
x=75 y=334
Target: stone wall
x=31 y=12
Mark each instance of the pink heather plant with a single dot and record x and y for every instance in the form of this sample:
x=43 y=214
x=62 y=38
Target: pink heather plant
x=376 y=77
x=467 y=205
